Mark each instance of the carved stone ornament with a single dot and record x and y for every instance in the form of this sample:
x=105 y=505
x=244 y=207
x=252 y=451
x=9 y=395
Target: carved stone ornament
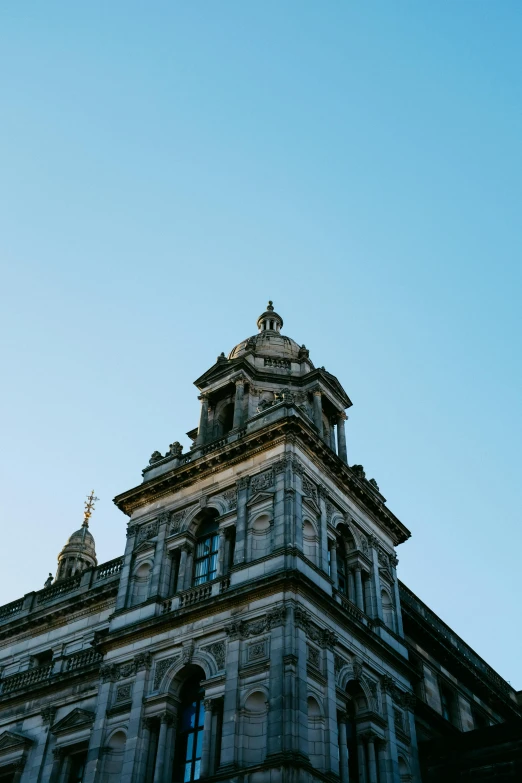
x=233 y=629
x=123 y=693
x=131 y=530
x=314 y=656
x=281 y=465
x=48 y=714
x=176 y=520
x=243 y=482
x=148 y=531
x=357 y=669
x=187 y=651
x=276 y=616
x=373 y=541
x=142 y=661
x=163 y=518
x=328 y=639
x=261 y=481
x=175 y=449
x=155 y=457
x=218 y=651
x=339 y=662
x=161 y=667
x=302 y=618
x=330 y=510
x=309 y=487
x=230 y=497
x=257 y=650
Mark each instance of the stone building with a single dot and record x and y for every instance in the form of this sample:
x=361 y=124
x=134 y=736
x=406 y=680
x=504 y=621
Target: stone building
x=254 y=629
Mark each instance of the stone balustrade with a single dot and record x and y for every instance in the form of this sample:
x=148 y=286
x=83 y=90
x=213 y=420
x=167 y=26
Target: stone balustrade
x=195 y=595
x=108 y=569
x=10 y=609
x=59 y=588
x=82 y=660
x=24 y=679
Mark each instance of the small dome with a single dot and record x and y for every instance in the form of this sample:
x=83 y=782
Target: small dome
x=269 y=341
x=81 y=541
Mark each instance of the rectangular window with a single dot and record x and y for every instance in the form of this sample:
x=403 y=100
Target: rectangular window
x=206 y=559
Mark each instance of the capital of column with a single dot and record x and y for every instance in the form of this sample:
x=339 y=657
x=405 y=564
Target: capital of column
x=186 y=547
x=168 y=718
x=58 y=753
x=341 y=416
x=344 y=717
x=317 y=393
x=208 y=704
x=149 y=722
x=240 y=381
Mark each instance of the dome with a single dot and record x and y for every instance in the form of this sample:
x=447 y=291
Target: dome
x=83 y=540
x=269 y=341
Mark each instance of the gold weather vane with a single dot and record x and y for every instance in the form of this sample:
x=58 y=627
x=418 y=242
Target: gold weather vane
x=89 y=508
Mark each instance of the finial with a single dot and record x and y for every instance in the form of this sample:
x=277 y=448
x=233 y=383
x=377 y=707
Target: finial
x=270 y=305
x=89 y=508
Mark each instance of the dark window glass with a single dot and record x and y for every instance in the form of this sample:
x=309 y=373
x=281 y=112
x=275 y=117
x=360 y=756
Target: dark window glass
x=77 y=768
x=341 y=573
x=191 y=733
x=205 y=567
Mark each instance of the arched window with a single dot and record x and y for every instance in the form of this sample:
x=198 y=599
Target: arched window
x=260 y=536
x=207 y=545
x=310 y=540
x=190 y=733
x=315 y=734
x=387 y=610
x=140 y=584
x=113 y=761
x=225 y=419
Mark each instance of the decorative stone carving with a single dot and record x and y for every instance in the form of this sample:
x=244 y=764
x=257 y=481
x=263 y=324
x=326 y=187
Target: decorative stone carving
x=148 y=531
x=109 y=672
x=123 y=693
x=187 y=651
x=328 y=639
x=48 y=714
x=233 y=629
x=155 y=457
x=276 y=616
x=261 y=481
x=357 y=669
x=339 y=662
x=257 y=650
x=142 y=661
x=281 y=465
x=308 y=487
x=161 y=668
x=243 y=482
x=131 y=530
x=302 y=618
x=373 y=542
x=330 y=510
x=314 y=657
x=175 y=449
x=163 y=517
x=230 y=497
x=176 y=521
x=218 y=651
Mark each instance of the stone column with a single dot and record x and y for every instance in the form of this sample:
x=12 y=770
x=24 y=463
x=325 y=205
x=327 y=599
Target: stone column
x=300 y=712
x=374 y=543
x=276 y=723
x=184 y=549
x=203 y=420
x=226 y=550
x=333 y=444
x=343 y=749
x=189 y=568
x=141 y=768
x=351 y=583
x=58 y=756
x=230 y=716
x=221 y=554
x=318 y=411
x=238 y=405
x=398 y=614
x=392 y=760
x=242 y=497
x=324 y=540
x=205 y=749
x=332 y=729
x=372 y=761
x=359 y=600
x=166 y=719
x=381 y=760
x=159 y=557
x=126 y=568
x=298 y=534
x=142 y=663
x=409 y=702
x=361 y=757
x=92 y=767
x=341 y=437
x=333 y=565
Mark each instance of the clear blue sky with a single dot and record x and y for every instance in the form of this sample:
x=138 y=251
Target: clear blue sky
x=167 y=167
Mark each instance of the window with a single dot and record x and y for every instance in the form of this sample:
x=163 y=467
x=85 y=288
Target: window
x=191 y=731
x=77 y=768
x=205 y=567
x=341 y=572
x=448 y=703
x=480 y=721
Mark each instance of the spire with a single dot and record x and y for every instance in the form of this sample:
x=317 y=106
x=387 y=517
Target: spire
x=89 y=508
x=269 y=321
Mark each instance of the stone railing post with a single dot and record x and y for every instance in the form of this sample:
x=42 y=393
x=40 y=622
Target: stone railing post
x=341 y=437
x=203 y=420
x=318 y=411
x=238 y=404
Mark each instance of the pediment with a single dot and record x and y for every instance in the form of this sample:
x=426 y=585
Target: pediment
x=10 y=740
x=261 y=497
x=311 y=504
x=76 y=719
x=145 y=546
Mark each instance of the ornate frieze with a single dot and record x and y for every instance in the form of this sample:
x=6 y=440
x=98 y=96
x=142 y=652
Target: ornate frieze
x=257 y=650
x=243 y=629
x=218 y=651
x=313 y=656
x=148 y=531
x=161 y=668
x=111 y=672
x=309 y=488
x=262 y=481
x=230 y=497
x=123 y=693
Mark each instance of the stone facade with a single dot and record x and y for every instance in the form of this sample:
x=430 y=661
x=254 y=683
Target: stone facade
x=254 y=629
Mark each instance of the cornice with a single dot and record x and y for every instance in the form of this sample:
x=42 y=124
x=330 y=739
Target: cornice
x=290 y=429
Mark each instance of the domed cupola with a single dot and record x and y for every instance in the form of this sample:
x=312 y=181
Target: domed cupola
x=79 y=553
x=273 y=349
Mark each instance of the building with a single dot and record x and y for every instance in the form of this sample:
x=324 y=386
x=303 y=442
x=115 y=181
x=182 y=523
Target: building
x=254 y=629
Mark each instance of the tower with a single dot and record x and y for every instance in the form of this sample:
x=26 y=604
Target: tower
x=259 y=580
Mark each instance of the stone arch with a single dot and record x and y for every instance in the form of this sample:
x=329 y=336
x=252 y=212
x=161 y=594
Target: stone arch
x=113 y=759
x=311 y=539
x=404 y=770
x=223 y=416
x=199 y=515
x=253 y=725
x=387 y=608
x=181 y=670
x=360 y=694
x=260 y=533
x=316 y=727
x=140 y=580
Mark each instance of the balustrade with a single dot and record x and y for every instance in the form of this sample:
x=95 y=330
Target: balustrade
x=13 y=608
x=112 y=567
